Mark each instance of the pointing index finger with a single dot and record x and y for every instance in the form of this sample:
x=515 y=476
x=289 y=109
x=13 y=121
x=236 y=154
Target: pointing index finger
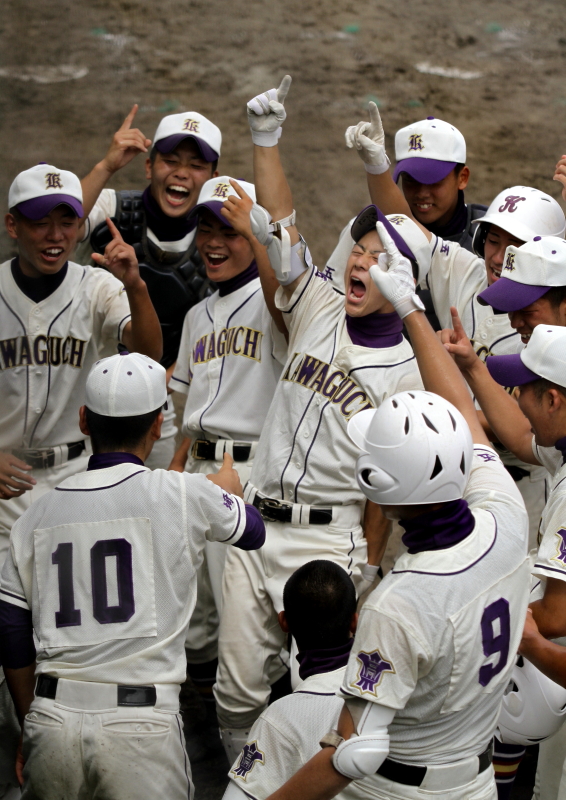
x=375 y=118
x=126 y=125
x=238 y=189
x=283 y=88
x=116 y=235
x=457 y=322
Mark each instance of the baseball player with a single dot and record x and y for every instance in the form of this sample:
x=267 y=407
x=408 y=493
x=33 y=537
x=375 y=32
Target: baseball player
x=102 y=572
x=319 y=603
x=230 y=360
x=184 y=155
x=457 y=277
x=436 y=641
x=345 y=354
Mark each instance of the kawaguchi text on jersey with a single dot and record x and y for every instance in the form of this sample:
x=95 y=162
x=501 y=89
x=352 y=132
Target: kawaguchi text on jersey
x=22 y=351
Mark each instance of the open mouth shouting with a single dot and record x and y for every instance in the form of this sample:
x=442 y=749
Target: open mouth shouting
x=176 y=194
x=215 y=260
x=356 y=290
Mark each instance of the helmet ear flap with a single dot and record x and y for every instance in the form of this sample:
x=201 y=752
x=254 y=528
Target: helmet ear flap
x=372 y=480
x=478 y=240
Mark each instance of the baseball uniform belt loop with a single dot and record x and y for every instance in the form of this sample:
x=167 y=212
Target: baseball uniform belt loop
x=43 y=458
x=273 y=510
x=203 y=450
x=412 y=775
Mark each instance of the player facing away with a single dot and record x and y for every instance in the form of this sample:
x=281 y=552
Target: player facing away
x=230 y=359
x=458 y=277
x=183 y=156
x=319 y=610
x=436 y=640
x=102 y=574
x=345 y=354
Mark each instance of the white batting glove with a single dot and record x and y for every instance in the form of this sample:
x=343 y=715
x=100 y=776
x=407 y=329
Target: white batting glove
x=369 y=140
x=393 y=276
x=266 y=114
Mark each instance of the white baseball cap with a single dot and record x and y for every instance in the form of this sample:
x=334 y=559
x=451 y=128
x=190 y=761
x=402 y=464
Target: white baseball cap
x=38 y=190
x=174 y=128
x=126 y=385
x=528 y=273
x=543 y=357
x=428 y=150
x=214 y=193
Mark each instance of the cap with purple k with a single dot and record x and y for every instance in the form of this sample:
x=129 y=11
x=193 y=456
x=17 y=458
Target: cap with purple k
x=428 y=150
x=35 y=192
x=175 y=128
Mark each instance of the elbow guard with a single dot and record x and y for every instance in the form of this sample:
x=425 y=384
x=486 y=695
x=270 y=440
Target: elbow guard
x=288 y=261
x=361 y=756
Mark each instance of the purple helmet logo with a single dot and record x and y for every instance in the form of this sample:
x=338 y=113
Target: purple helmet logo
x=371 y=670
x=250 y=755
x=510 y=203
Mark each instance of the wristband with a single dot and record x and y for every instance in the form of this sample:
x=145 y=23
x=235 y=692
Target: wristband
x=409 y=304
x=370 y=572
x=378 y=169
x=266 y=138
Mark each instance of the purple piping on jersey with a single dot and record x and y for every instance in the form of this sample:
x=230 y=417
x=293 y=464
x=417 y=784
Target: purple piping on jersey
x=381 y=366
x=105 y=460
x=101 y=488
x=298 y=300
x=315 y=662
x=17 y=648
x=317 y=694
x=458 y=571
x=165 y=228
x=15 y=596
x=182 y=740
x=438 y=530
x=232 y=284
x=560 y=445
x=37 y=289
x=350 y=553
x=456 y=224
x=126 y=318
x=235 y=531
x=552 y=569
x=375 y=330
x=253 y=536
x=24 y=332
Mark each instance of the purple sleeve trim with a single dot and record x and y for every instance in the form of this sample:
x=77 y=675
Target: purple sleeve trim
x=253 y=536
x=17 y=648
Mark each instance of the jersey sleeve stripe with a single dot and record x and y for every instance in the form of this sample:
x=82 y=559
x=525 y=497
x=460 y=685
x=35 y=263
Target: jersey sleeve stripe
x=303 y=290
x=544 y=568
x=122 y=323
x=14 y=599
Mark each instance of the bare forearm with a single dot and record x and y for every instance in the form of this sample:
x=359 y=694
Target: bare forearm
x=273 y=190
x=317 y=780
x=181 y=454
x=21 y=683
x=550 y=617
x=547 y=656
x=386 y=195
x=376 y=531
x=143 y=332
x=93 y=184
x=439 y=372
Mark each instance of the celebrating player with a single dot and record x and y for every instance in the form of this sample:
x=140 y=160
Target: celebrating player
x=344 y=355
x=184 y=155
x=102 y=570
x=436 y=641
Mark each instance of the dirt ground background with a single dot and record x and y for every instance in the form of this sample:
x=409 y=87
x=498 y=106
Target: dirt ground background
x=69 y=72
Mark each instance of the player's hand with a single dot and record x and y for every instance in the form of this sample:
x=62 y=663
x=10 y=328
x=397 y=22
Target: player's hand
x=120 y=259
x=126 y=143
x=13 y=478
x=236 y=210
x=458 y=344
x=227 y=477
x=369 y=140
x=560 y=175
x=393 y=276
x=266 y=114
x=530 y=634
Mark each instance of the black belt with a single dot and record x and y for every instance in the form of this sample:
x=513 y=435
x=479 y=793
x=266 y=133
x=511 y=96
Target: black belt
x=42 y=458
x=203 y=450
x=276 y=511
x=411 y=775
x=517 y=473
x=127 y=695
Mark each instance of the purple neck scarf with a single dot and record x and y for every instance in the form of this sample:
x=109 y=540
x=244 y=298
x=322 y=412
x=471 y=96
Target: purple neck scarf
x=314 y=662
x=104 y=460
x=456 y=224
x=167 y=229
x=561 y=446
x=229 y=286
x=437 y=530
x=375 y=330
x=37 y=289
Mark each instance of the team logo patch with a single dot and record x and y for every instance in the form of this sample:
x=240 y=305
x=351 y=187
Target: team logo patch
x=487 y=456
x=191 y=125
x=510 y=262
x=416 y=142
x=445 y=248
x=510 y=203
x=396 y=220
x=371 y=671
x=221 y=190
x=53 y=180
x=251 y=754
x=560 y=546
x=227 y=500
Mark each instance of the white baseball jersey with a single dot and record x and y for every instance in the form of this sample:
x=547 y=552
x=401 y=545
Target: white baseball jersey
x=305 y=454
x=47 y=350
x=437 y=639
x=229 y=363
x=551 y=558
x=107 y=562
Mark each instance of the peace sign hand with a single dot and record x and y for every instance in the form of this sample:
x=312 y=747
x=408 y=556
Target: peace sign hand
x=120 y=259
x=126 y=143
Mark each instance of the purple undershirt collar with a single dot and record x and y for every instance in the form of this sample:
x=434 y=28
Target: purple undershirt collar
x=561 y=446
x=457 y=222
x=229 y=286
x=166 y=229
x=314 y=662
x=104 y=460
x=37 y=289
x=437 y=530
x=375 y=330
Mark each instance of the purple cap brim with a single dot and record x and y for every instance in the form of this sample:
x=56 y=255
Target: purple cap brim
x=39 y=207
x=211 y=205
x=507 y=295
x=424 y=170
x=365 y=222
x=169 y=143
x=509 y=370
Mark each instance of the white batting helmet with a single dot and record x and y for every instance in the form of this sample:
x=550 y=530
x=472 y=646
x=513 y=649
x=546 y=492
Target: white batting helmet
x=533 y=709
x=523 y=212
x=416 y=448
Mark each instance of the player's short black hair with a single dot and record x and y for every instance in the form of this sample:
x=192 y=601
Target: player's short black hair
x=319 y=601
x=153 y=155
x=458 y=169
x=555 y=296
x=113 y=434
x=542 y=385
